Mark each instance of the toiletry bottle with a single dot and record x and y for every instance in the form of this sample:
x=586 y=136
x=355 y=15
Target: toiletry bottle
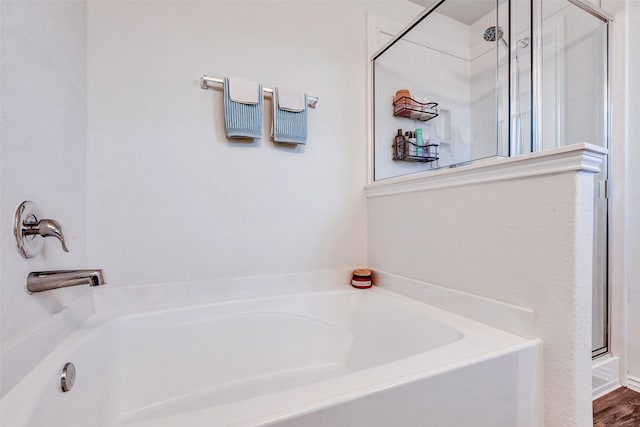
x=407 y=145
x=398 y=146
x=419 y=148
x=428 y=135
x=412 y=140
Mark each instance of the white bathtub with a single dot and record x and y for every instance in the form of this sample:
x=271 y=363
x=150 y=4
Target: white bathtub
x=333 y=358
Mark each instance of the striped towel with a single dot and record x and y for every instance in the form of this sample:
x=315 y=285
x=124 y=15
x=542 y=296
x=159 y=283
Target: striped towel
x=242 y=120
x=289 y=126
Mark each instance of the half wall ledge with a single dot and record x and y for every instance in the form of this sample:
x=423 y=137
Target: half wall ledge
x=577 y=157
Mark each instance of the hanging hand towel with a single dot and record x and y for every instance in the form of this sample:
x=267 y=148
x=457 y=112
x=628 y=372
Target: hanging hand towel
x=291 y=100
x=289 y=117
x=243 y=106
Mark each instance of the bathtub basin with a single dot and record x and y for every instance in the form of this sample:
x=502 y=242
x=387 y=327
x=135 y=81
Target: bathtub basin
x=332 y=358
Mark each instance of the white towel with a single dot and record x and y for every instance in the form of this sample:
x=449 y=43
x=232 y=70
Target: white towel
x=243 y=91
x=291 y=100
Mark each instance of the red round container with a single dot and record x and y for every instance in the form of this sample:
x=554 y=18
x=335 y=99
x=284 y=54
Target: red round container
x=361 y=279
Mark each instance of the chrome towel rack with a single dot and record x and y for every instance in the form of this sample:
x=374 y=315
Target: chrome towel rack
x=206 y=82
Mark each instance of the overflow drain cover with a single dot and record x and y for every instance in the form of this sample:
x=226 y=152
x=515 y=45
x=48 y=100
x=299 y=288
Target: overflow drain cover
x=68 y=376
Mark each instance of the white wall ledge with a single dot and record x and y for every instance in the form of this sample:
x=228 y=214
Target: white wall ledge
x=572 y=158
x=507 y=317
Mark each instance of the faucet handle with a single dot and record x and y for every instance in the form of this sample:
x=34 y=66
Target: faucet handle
x=29 y=230
x=49 y=227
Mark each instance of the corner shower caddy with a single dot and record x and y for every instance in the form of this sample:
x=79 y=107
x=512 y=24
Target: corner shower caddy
x=410 y=152
x=410 y=108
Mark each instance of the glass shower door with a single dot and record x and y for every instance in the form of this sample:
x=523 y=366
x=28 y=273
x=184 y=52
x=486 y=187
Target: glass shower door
x=574 y=109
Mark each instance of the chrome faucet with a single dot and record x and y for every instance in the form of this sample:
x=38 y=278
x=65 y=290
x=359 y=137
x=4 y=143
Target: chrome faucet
x=40 y=281
x=30 y=230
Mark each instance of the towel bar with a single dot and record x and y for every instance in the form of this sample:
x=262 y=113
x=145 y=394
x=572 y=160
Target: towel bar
x=205 y=82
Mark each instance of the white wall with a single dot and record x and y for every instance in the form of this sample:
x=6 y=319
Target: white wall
x=169 y=197
x=633 y=189
x=618 y=174
x=42 y=157
x=625 y=195
x=525 y=242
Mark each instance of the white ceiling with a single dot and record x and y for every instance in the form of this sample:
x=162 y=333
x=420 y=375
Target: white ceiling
x=465 y=11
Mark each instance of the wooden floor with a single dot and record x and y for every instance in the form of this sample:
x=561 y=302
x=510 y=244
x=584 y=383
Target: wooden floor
x=620 y=408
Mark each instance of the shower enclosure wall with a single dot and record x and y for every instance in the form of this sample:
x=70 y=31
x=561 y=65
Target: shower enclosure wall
x=470 y=80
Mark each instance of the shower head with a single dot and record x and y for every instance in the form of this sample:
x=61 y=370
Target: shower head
x=492 y=34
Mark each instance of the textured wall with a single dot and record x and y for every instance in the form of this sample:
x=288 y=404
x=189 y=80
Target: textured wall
x=525 y=242
x=42 y=158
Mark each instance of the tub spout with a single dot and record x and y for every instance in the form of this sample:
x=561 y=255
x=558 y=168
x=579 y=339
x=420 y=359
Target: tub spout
x=40 y=281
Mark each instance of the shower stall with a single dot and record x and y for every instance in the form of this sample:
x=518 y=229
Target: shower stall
x=471 y=80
